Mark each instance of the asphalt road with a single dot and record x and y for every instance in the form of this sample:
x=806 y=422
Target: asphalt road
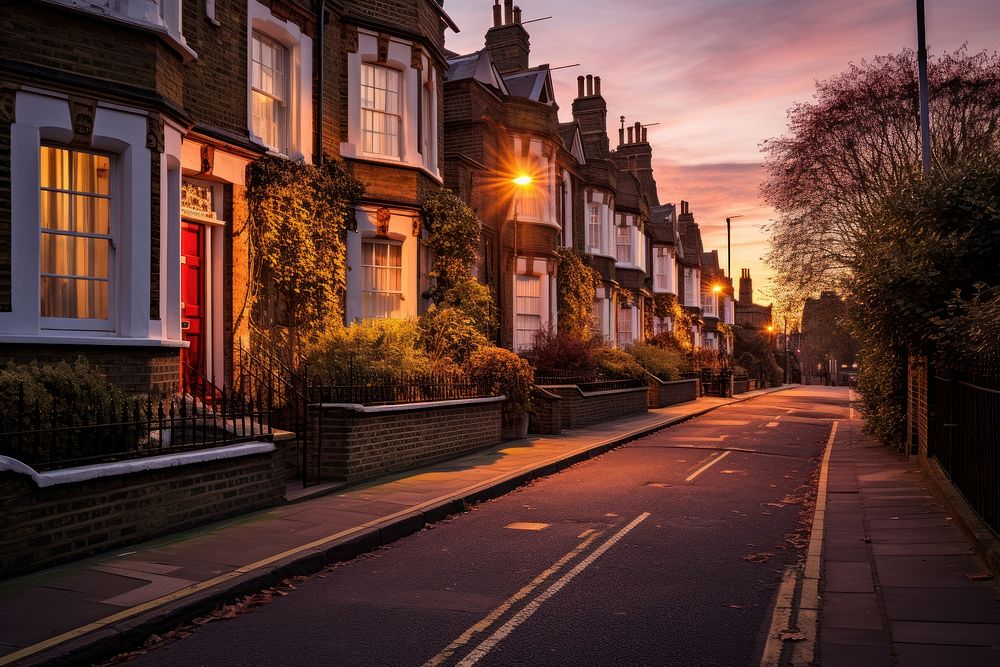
x=636 y=557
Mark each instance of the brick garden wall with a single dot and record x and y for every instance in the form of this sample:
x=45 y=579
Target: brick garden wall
x=40 y=527
x=662 y=394
x=577 y=409
x=152 y=370
x=354 y=445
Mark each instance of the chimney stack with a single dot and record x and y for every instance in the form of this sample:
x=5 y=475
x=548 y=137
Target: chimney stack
x=508 y=12
x=508 y=43
x=517 y=14
x=497 y=14
x=590 y=110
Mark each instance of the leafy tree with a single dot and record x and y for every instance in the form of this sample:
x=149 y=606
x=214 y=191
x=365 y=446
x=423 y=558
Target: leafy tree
x=298 y=218
x=824 y=335
x=858 y=142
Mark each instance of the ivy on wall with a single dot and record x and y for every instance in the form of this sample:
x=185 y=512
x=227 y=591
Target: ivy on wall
x=453 y=233
x=298 y=216
x=576 y=287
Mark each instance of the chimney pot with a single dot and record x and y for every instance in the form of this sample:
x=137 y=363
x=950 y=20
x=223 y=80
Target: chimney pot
x=579 y=85
x=621 y=136
x=630 y=129
x=590 y=85
x=597 y=86
x=638 y=131
x=517 y=14
x=497 y=14
x=508 y=12
x=644 y=140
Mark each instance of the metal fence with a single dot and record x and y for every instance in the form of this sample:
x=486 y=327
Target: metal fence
x=48 y=433
x=367 y=387
x=964 y=434
x=588 y=382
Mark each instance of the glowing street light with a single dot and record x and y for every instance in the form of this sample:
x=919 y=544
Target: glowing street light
x=717 y=288
x=523 y=180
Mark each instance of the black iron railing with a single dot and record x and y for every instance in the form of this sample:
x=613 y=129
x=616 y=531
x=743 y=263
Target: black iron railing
x=47 y=433
x=964 y=430
x=588 y=382
x=367 y=387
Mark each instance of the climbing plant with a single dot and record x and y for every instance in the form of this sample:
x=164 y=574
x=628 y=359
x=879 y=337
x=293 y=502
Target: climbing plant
x=298 y=216
x=453 y=233
x=576 y=287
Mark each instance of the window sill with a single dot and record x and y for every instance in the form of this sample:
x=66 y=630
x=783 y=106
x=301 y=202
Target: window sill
x=81 y=338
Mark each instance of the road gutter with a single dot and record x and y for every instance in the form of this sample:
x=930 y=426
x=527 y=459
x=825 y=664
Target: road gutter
x=793 y=634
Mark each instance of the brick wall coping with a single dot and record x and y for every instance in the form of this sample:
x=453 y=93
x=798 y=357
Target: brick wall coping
x=85 y=473
x=106 y=341
x=408 y=407
x=606 y=392
x=653 y=377
x=548 y=394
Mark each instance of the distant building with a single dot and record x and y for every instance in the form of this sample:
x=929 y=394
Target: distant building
x=750 y=315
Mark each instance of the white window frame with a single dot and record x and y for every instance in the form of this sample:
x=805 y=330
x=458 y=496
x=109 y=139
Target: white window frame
x=663 y=325
x=625 y=335
x=280 y=99
x=709 y=303
x=661 y=268
x=374 y=290
x=81 y=323
x=594 y=235
x=397 y=115
x=624 y=243
x=524 y=337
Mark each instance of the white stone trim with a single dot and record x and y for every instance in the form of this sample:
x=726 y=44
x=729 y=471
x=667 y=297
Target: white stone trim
x=99 y=470
x=408 y=407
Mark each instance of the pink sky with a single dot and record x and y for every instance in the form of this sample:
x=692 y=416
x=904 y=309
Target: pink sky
x=719 y=76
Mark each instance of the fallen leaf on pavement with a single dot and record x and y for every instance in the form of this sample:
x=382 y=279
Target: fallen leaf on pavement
x=736 y=606
x=760 y=557
x=980 y=576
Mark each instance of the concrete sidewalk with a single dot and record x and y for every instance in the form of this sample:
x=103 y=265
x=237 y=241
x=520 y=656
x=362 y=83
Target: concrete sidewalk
x=900 y=582
x=103 y=605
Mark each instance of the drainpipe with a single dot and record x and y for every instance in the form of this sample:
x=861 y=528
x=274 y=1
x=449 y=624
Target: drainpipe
x=318 y=113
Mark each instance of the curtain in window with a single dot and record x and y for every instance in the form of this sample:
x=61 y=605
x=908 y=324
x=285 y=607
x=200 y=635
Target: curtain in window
x=269 y=65
x=381 y=279
x=624 y=326
x=527 y=310
x=76 y=239
x=381 y=110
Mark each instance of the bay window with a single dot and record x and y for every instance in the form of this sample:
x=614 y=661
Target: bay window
x=527 y=310
x=381 y=110
x=625 y=326
x=77 y=246
x=594 y=229
x=624 y=247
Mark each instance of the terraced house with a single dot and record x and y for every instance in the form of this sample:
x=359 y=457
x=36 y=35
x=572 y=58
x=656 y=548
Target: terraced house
x=126 y=127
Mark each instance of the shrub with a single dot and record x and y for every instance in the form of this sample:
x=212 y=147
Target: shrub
x=501 y=372
x=615 y=364
x=563 y=352
x=453 y=233
x=447 y=334
x=662 y=362
x=475 y=301
x=378 y=346
x=575 y=292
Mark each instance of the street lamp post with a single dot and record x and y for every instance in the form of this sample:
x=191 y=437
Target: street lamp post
x=925 y=124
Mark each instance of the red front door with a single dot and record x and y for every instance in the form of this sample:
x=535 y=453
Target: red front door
x=193 y=296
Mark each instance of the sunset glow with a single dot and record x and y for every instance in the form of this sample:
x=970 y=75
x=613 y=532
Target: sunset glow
x=719 y=76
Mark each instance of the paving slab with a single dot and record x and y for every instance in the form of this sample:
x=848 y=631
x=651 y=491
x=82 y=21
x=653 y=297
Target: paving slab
x=903 y=595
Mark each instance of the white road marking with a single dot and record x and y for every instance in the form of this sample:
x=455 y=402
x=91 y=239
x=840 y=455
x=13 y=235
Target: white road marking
x=534 y=605
x=770 y=424
x=695 y=438
x=524 y=525
x=491 y=618
x=708 y=465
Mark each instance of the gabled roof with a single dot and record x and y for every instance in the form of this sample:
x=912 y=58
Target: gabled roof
x=663 y=224
x=573 y=140
x=534 y=84
x=477 y=66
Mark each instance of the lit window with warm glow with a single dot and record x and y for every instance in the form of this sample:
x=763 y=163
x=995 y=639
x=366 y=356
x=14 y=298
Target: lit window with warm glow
x=76 y=240
x=381 y=110
x=381 y=279
x=624 y=247
x=269 y=87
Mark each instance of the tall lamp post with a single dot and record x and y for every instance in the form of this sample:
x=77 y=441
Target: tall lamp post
x=925 y=124
x=729 y=245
